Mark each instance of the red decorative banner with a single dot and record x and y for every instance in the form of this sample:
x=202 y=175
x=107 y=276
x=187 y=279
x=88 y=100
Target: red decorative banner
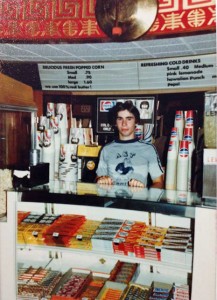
x=64 y=20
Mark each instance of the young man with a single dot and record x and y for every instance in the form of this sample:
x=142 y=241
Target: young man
x=127 y=160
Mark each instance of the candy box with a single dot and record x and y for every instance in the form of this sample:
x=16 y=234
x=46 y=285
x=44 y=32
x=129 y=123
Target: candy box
x=33 y=234
x=91 y=291
x=136 y=292
x=82 y=238
x=33 y=283
x=160 y=290
x=111 y=291
x=102 y=242
x=124 y=272
x=72 y=284
x=123 y=247
x=21 y=215
x=147 y=252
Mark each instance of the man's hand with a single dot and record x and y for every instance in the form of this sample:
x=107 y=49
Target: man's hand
x=104 y=180
x=136 y=183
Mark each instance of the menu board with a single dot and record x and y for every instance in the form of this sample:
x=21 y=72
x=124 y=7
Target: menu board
x=87 y=77
x=199 y=71
x=169 y=73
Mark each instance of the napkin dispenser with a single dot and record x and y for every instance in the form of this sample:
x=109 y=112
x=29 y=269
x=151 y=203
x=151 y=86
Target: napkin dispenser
x=35 y=175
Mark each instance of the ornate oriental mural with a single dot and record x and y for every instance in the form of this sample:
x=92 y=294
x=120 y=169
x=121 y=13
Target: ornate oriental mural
x=69 y=20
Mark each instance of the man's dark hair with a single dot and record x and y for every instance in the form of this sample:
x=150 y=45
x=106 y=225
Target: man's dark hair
x=120 y=106
x=144 y=102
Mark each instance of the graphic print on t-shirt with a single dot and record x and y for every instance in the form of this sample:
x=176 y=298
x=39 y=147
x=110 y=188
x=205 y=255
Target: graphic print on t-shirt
x=125 y=167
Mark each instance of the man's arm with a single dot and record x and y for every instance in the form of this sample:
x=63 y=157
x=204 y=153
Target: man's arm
x=158 y=182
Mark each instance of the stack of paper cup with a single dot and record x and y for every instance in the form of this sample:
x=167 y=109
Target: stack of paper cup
x=148 y=128
x=73 y=123
x=189 y=121
x=188 y=136
x=39 y=143
x=189 y=118
x=76 y=136
x=54 y=124
x=43 y=123
x=88 y=135
x=171 y=168
x=61 y=111
x=179 y=123
x=68 y=165
x=174 y=136
x=50 y=110
x=48 y=152
x=182 y=166
x=139 y=132
x=184 y=197
x=171 y=196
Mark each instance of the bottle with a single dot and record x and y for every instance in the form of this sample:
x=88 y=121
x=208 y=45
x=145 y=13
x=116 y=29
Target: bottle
x=188 y=136
x=179 y=123
x=171 y=168
x=182 y=166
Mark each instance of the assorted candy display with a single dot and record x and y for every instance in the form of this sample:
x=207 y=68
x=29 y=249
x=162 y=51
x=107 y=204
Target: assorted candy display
x=40 y=283
x=123 y=237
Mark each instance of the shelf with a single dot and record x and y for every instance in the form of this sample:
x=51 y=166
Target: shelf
x=104 y=254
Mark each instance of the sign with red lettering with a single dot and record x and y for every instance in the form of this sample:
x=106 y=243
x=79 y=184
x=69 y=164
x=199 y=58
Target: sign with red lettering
x=60 y=20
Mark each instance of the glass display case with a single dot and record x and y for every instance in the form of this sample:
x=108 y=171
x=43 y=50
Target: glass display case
x=152 y=207
x=102 y=208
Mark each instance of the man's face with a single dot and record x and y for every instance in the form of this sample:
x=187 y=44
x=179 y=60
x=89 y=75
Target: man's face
x=145 y=106
x=126 y=125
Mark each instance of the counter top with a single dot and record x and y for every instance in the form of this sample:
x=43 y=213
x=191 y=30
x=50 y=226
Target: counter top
x=120 y=197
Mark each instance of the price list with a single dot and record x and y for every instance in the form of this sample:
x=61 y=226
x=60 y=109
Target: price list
x=171 y=73
x=87 y=77
x=184 y=72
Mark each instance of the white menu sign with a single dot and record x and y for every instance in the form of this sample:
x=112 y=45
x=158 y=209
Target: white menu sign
x=87 y=77
x=168 y=73
x=182 y=72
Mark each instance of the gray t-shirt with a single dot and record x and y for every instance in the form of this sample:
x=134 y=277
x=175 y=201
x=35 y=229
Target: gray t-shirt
x=126 y=160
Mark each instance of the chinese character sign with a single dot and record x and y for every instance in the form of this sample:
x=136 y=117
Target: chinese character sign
x=75 y=19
